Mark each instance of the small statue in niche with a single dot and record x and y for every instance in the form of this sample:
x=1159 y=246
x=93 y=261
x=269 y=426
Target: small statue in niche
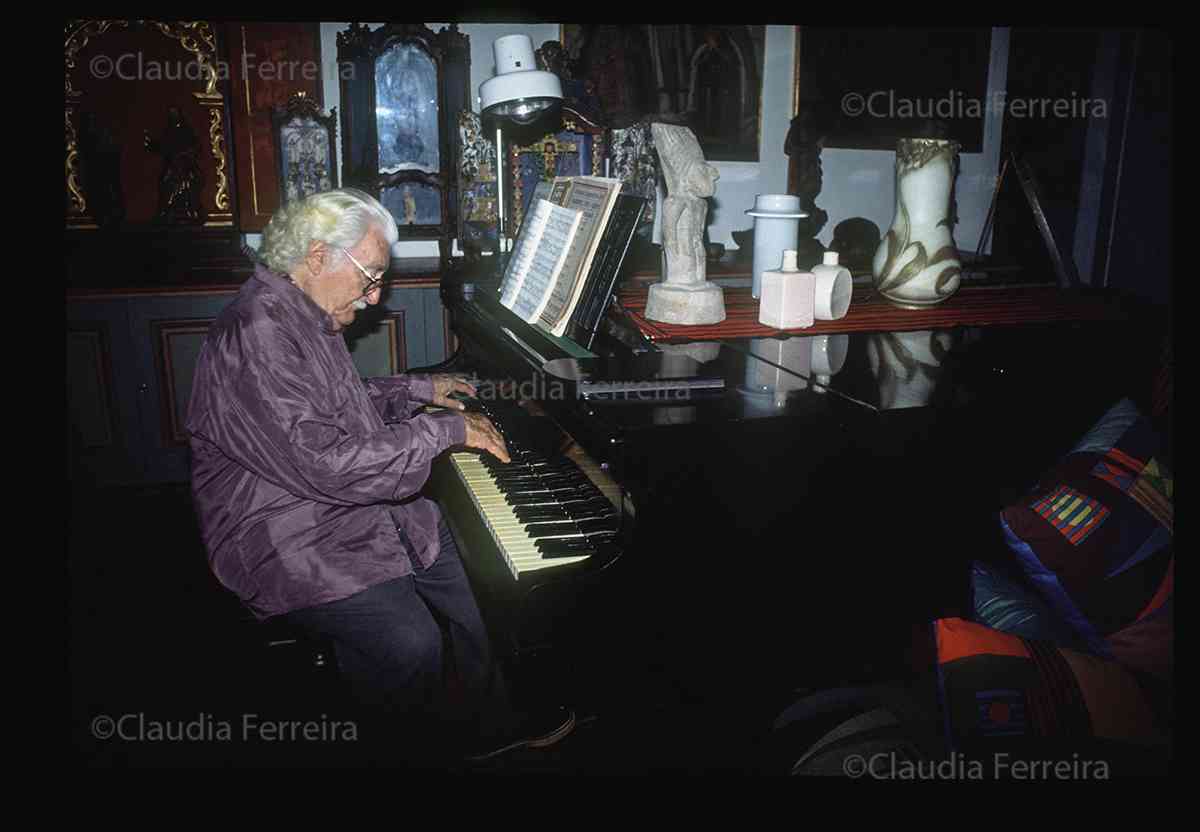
x=101 y=171
x=410 y=207
x=552 y=57
x=180 y=182
x=579 y=94
x=803 y=146
x=684 y=296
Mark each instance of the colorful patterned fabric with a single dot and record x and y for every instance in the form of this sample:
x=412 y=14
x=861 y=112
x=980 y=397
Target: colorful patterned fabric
x=996 y=686
x=1008 y=604
x=1075 y=515
x=1095 y=539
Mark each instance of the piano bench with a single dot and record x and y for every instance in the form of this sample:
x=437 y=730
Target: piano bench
x=293 y=649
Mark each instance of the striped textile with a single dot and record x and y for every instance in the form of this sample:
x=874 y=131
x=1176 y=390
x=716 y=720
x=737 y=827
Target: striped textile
x=1075 y=515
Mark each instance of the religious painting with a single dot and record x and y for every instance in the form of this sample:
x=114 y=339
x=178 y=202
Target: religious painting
x=708 y=77
x=406 y=110
x=306 y=156
x=305 y=148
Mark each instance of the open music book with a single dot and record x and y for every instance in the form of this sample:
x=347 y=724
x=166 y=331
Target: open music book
x=538 y=258
x=554 y=253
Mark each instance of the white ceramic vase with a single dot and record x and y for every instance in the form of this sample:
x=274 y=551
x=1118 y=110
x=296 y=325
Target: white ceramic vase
x=916 y=264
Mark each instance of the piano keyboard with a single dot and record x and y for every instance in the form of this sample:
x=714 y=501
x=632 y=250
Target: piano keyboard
x=541 y=513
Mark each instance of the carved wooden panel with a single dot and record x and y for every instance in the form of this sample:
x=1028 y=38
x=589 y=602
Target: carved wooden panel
x=383 y=350
x=269 y=62
x=146 y=126
x=177 y=349
x=90 y=401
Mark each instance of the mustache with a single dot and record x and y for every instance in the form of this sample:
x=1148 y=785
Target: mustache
x=359 y=303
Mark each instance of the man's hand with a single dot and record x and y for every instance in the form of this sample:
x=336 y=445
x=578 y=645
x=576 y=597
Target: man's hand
x=444 y=385
x=482 y=434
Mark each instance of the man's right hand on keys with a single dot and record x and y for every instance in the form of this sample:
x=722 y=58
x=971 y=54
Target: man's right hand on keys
x=482 y=434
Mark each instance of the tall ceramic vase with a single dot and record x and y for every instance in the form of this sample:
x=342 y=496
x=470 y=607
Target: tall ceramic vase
x=916 y=264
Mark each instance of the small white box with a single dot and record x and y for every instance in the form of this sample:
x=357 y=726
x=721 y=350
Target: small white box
x=788 y=296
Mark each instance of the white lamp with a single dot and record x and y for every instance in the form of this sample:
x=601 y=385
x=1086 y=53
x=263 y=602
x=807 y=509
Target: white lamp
x=519 y=91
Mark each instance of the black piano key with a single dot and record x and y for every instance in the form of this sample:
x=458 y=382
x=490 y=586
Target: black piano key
x=534 y=499
x=540 y=474
x=518 y=481
x=603 y=550
x=601 y=525
x=521 y=460
x=536 y=530
x=574 y=544
x=531 y=495
x=531 y=512
x=580 y=510
x=516 y=495
x=565 y=550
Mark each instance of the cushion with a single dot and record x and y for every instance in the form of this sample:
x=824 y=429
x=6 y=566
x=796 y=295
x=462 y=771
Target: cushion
x=1003 y=692
x=1094 y=538
x=1006 y=603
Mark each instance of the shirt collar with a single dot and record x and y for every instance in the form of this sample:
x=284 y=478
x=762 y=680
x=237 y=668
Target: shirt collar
x=285 y=288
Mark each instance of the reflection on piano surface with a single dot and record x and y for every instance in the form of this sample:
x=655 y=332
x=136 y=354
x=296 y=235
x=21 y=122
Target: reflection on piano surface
x=786 y=540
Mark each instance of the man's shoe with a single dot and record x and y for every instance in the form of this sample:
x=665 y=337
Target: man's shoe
x=538 y=730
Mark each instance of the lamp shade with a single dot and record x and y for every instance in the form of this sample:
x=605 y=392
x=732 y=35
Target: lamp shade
x=520 y=91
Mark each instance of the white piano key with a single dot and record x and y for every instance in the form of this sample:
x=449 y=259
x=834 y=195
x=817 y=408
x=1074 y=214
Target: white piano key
x=519 y=550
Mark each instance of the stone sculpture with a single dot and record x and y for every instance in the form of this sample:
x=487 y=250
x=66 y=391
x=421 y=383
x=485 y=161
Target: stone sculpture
x=684 y=296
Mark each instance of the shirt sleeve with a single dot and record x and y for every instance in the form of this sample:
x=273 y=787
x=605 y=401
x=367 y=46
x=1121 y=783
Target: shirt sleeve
x=396 y=397
x=277 y=425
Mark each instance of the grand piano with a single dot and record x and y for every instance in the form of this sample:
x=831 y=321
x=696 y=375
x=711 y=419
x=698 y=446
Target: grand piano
x=692 y=519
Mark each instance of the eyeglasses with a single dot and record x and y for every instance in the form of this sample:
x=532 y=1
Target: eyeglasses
x=373 y=281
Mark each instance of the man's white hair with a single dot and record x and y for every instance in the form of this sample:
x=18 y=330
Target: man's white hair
x=338 y=218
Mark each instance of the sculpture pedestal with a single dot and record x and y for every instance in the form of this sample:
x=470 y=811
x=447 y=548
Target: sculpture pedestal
x=701 y=303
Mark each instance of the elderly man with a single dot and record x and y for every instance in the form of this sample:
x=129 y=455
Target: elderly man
x=306 y=478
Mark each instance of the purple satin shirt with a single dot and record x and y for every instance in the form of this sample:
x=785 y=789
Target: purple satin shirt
x=305 y=477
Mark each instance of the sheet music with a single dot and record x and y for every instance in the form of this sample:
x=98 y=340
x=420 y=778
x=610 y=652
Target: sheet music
x=593 y=198
x=522 y=256
x=542 y=250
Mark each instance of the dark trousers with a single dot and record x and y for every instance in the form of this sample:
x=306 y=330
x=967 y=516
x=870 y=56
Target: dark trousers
x=415 y=654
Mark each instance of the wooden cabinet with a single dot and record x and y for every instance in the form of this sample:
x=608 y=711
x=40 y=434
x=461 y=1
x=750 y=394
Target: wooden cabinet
x=402 y=88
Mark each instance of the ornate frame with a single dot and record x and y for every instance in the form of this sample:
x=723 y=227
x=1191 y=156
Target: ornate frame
x=358 y=50
x=573 y=123
x=300 y=106
x=195 y=36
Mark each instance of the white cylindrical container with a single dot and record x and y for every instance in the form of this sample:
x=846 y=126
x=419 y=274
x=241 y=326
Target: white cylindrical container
x=776 y=229
x=778 y=367
x=787 y=296
x=828 y=356
x=833 y=288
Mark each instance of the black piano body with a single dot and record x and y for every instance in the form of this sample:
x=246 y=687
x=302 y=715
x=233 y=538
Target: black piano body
x=780 y=525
